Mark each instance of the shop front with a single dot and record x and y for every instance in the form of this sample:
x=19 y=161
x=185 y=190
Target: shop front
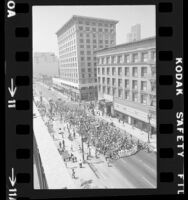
x=106 y=107
x=144 y=126
x=137 y=118
x=121 y=116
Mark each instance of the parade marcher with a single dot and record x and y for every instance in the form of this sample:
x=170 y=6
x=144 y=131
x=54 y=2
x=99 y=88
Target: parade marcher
x=103 y=136
x=63 y=144
x=73 y=174
x=71 y=156
x=80 y=163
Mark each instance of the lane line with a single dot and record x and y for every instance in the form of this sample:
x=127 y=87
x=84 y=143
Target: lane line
x=147 y=166
x=144 y=164
x=146 y=180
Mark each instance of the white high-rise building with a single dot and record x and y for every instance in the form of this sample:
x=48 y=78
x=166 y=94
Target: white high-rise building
x=78 y=38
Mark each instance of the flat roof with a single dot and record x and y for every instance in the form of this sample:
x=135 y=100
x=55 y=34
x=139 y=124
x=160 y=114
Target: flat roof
x=88 y=18
x=128 y=44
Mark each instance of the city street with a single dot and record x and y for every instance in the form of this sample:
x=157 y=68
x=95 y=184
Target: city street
x=135 y=171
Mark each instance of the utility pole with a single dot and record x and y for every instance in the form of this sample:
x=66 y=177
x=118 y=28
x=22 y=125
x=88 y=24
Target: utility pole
x=149 y=131
x=82 y=139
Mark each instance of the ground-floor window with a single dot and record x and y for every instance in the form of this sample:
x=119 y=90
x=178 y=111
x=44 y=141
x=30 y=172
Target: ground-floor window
x=144 y=126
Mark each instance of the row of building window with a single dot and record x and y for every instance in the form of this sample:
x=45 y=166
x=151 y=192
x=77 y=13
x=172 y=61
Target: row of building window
x=88 y=41
x=88 y=80
x=104 y=42
x=143 y=85
x=88 y=58
x=127 y=58
x=67 y=33
x=62 y=41
x=127 y=95
x=87 y=23
x=94 y=47
x=89 y=75
x=68 y=44
x=68 y=49
x=126 y=83
x=71 y=65
x=73 y=75
x=88 y=64
x=127 y=71
x=67 y=60
x=97 y=35
x=67 y=55
x=93 y=29
x=89 y=70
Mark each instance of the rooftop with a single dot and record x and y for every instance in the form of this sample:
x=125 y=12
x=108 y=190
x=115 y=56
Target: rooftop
x=128 y=44
x=87 y=18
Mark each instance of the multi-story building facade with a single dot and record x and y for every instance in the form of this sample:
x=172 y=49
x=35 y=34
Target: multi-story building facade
x=77 y=41
x=45 y=64
x=127 y=82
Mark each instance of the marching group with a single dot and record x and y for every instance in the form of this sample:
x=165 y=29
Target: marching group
x=103 y=136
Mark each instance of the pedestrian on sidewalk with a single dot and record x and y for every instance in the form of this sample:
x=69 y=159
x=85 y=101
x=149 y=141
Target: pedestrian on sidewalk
x=60 y=144
x=80 y=163
x=63 y=144
x=108 y=162
x=87 y=156
x=73 y=174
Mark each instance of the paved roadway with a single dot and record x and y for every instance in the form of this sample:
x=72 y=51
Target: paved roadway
x=139 y=170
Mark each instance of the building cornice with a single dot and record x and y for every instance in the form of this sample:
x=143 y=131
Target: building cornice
x=134 y=44
x=76 y=17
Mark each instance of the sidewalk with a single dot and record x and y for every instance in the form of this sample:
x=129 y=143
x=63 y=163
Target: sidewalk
x=96 y=173
x=95 y=169
x=85 y=175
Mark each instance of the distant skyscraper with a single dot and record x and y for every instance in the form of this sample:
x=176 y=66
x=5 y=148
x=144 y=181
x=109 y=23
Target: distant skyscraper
x=135 y=33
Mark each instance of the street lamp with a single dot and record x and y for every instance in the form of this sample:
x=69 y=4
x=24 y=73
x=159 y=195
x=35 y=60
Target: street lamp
x=80 y=129
x=149 y=131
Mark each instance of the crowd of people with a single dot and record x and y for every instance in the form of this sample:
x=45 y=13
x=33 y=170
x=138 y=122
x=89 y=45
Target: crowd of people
x=106 y=138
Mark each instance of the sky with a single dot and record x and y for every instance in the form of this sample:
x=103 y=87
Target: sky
x=48 y=19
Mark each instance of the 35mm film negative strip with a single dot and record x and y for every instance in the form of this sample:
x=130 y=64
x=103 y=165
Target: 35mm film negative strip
x=94 y=98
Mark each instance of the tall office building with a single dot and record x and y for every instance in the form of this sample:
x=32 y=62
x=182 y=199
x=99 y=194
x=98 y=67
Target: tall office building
x=127 y=82
x=135 y=33
x=77 y=41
